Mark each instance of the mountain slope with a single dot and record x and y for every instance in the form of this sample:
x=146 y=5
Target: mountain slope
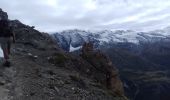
x=141 y=57
x=40 y=70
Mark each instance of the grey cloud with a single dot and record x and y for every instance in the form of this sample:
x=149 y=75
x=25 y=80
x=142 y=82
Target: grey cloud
x=56 y=15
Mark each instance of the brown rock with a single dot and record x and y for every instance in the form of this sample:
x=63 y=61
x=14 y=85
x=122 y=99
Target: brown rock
x=104 y=71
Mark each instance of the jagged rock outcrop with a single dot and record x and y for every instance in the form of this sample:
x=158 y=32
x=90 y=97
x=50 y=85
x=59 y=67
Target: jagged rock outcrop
x=40 y=70
x=105 y=72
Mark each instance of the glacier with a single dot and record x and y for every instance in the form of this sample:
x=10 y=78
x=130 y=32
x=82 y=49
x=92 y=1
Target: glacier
x=74 y=39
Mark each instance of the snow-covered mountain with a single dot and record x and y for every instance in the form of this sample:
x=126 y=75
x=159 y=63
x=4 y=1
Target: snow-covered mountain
x=1 y=53
x=71 y=40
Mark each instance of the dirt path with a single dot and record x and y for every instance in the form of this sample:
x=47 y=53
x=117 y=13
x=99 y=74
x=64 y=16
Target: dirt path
x=6 y=82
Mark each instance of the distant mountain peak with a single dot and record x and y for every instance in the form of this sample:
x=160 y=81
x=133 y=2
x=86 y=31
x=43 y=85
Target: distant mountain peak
x=76 y=37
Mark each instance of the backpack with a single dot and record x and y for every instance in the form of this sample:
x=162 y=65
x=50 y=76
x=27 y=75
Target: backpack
x=5 y=30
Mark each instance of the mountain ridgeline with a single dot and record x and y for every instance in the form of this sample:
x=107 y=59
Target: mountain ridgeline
x=41 y=70
x=141 y=57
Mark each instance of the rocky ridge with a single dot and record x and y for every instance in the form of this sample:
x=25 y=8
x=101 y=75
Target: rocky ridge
x=40 y=70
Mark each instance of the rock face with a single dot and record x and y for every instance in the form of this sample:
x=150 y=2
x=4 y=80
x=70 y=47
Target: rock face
x=103 y=68
x=40 y=70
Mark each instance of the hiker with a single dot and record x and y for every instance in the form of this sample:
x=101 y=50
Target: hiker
x=6 y=37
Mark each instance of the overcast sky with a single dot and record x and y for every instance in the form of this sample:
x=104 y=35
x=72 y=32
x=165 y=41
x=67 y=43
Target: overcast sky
x=57 y=15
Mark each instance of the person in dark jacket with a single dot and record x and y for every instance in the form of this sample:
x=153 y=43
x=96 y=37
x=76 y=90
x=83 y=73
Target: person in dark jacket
x=6 y=37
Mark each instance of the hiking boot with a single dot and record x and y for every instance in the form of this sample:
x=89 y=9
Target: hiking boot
x=7 y=64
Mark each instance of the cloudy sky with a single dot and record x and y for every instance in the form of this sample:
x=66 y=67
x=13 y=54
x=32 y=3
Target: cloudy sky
x=57 y=15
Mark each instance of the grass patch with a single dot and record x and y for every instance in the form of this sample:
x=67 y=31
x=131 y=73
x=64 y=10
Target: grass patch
x=59 y=58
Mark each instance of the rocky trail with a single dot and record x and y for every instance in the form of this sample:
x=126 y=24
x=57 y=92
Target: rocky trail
x=32 y=77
